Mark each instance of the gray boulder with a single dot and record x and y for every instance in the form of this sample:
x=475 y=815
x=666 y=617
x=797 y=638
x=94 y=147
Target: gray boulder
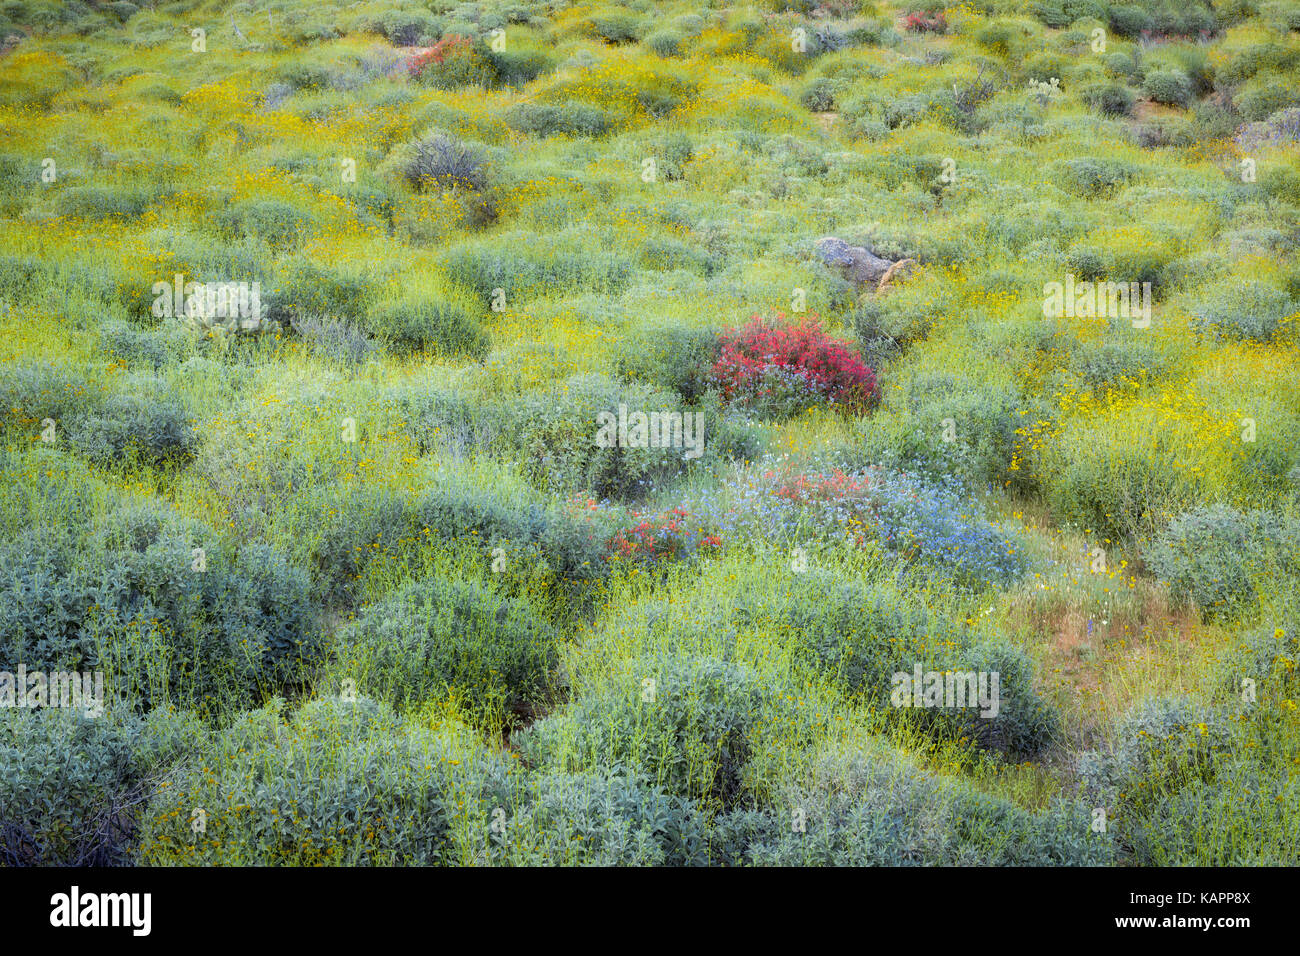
x=857 y=263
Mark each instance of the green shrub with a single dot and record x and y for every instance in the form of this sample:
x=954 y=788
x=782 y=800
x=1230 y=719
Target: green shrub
x=132 y=346
x=861 y=636
x=555 y=436
x=166 y=622
x=407 y=27
x=564 y=119
x=1004 y=38
x=818 y=96
x=672 y=357
x=1044 y=66
x=274 y=221
x=604 y=820
x=1214 y=556
x=1265 y=95
x=32 y=394
x=336 y=783
x=1130 y=20
x=988 y=429
x=1243 y=309
x=665 y=43
x=440 y=635
x=693 y=738
x=859 y=809
x=304 y=288
x=520 y=269
x=616 y=27
x=1161 y=744
x=377 y=523
x=70 y=784
x=1088 y=264
x=147 y=424
x=96 y=203
x=1091 y=177
x=665 y=254
x=1116 y=490
x=517 y=67
x=447 y=328
x=1117 y=363
x=1172 y=87
x=1282 y=182
x=1111 y=99
x=306 y=76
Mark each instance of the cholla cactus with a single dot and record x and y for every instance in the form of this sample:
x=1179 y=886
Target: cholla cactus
x=228 y=308
x=1043 y=91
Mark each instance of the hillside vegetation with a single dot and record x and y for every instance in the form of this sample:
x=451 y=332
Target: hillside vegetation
x=368 y=583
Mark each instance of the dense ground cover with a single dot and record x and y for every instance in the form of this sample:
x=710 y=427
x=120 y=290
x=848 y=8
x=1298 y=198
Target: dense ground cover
x=392 y=572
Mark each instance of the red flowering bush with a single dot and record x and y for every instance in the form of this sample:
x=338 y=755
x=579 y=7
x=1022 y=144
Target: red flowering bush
x=923 y=22
x=665 y=536
x=782 y=369
x=807 y=489
x=452 y=62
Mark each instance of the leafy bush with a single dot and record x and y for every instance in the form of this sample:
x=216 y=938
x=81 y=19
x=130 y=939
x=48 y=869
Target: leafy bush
x=565 y=119
x=334 y=783
x=555 y=435
x=616 y=27
x=273 y=221
x=334 y=339
x=1117 y=363
x=69 y=784
x=861 y=636
x=96 y=203
x=692 y=739
x=447 y=328
x=522 y=269
x=166 y=622
x=30 y=394
x=137 y=347
x=665 y=43
x=1265 y=95
x=1172 y=87
x=516 y=67
x=818 y=96
x=1112 y=99
x=149 y=425
x=1129 y=20
x=861 y=809
x=441 y=635
x=1113 y=480
x=374 y=524
x=1091 y=177
x=1214 y=556
x=951 y=426
x=1243 y=309
x=672 y=357
x=407 y=27
x=604 y=820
